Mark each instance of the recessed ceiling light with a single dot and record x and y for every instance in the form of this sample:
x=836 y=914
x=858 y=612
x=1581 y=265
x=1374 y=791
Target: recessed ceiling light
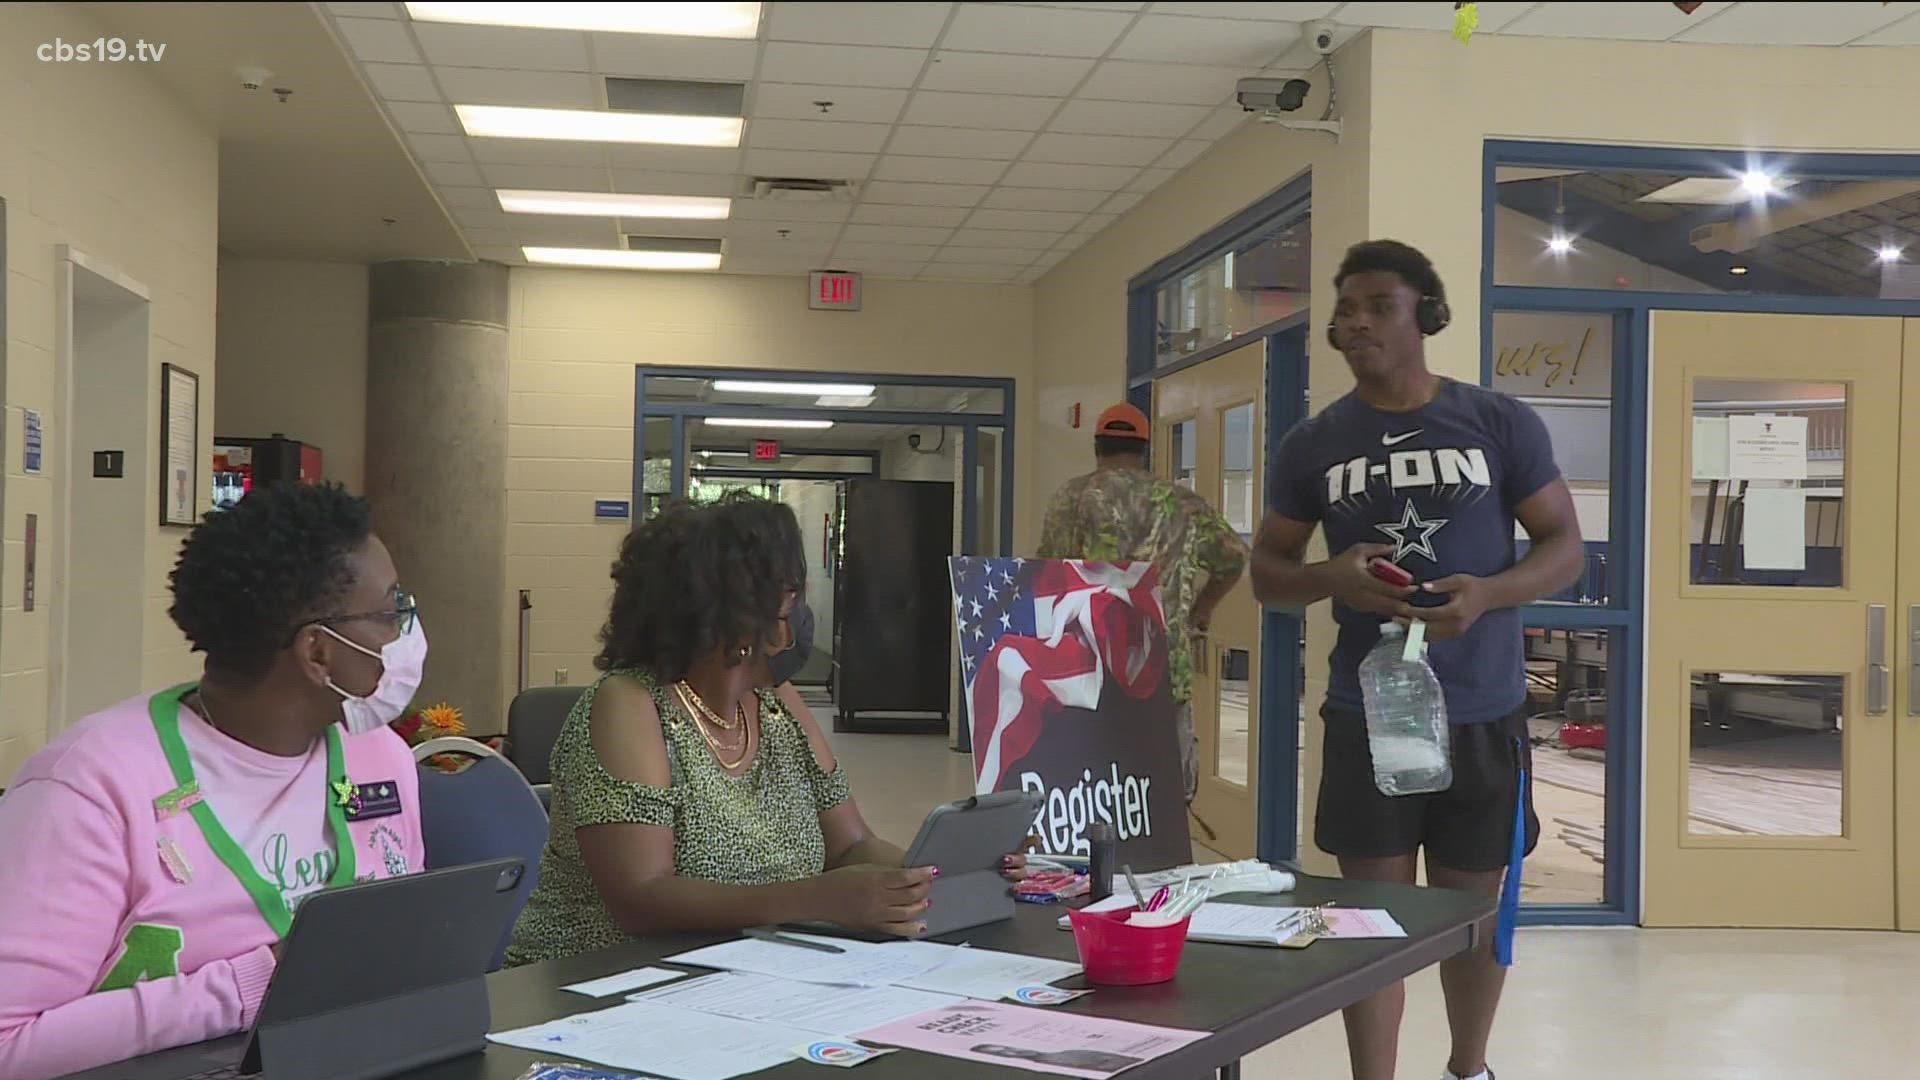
x=762 y=422
x=602 y=204
x=593 y=125
x=1560 y=244
x=801 y=389
x=1757 y=183
x=1889 y=253
x=1736 y=270
x=617 y=259
x=685 y=20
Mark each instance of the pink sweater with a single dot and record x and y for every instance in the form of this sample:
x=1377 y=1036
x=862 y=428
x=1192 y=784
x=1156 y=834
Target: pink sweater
x=88 y=896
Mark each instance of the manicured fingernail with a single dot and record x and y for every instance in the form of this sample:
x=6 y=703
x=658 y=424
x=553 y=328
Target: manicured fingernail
x=920 y=929
x=1006 y=860
x=935 y=873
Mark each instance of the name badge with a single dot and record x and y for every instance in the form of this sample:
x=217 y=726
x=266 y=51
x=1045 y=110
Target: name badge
x=376 y=800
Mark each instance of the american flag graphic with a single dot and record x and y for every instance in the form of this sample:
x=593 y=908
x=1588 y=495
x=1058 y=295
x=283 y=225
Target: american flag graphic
x=1037 y=635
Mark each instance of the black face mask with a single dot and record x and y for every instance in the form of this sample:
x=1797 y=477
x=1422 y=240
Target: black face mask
x=786 y=664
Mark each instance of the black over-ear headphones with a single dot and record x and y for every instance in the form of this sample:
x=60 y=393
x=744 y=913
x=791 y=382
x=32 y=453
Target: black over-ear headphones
x=1431 y=315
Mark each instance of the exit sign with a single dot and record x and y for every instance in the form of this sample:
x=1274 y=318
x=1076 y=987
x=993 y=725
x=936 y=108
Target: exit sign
x=766 y=450
x=833 y=290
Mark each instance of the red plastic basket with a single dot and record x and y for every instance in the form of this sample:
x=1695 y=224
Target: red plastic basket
x=1117 y=954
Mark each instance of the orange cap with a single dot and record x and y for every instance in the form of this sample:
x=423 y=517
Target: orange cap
x=1122 y=421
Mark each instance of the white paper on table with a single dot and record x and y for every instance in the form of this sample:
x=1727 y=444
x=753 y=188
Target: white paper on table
x=1362 y=923
x=825 y=1010
x=1773 y=534
x=859 y=963
x=1042 y=1040
x=663 y=1041
x=1235 y=924
x=986 y=974
x=609 y=985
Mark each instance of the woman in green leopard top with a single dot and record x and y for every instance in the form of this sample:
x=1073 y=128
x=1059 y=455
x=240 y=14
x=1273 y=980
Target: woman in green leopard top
x=689 y=793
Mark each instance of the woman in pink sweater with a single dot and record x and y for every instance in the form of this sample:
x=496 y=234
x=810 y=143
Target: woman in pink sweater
x=156 y=850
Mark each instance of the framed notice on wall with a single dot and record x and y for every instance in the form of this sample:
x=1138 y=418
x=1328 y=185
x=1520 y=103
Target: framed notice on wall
x=179 y=446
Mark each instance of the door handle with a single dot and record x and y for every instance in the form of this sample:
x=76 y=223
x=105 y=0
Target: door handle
x=1876 y=659
x=1913 y=660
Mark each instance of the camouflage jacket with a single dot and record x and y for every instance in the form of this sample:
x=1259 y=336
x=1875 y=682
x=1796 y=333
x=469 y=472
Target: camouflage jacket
x=1129 y=515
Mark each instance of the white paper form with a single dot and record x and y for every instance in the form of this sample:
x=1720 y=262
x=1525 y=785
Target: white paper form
x=986 y=974
x=663 y=1041
x=1773 y=535
x=609 y=985
x=859 y=963
x=825 y=1010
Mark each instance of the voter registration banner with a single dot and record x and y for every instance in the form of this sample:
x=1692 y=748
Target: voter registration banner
x=1065 y=664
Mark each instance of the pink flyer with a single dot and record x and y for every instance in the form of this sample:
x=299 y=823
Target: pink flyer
x=1040 y=1040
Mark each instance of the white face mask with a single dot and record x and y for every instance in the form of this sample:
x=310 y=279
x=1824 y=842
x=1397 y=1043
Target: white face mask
x=402 y=662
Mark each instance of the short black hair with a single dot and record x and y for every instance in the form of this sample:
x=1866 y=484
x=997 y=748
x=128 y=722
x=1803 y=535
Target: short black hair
x=249 y=577
x=1393 y=257
x=694 y=579
x=1115 y=445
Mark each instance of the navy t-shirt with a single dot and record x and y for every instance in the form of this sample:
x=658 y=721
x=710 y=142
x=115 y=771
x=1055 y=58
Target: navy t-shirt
x=1440 y=484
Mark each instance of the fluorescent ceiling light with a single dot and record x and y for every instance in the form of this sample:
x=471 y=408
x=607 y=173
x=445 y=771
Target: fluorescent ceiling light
x=1715 y=190
x=1560 y=244
x=801 y=389
x=759 y=422
x=602 y=204
x=1737 y=271
x=1889 y=253
x=594 y=125
x=684 y=20
x=615 y=258
x=1757 y=183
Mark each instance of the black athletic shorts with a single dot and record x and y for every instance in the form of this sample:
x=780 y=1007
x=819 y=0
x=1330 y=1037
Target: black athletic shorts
x=1467 y=827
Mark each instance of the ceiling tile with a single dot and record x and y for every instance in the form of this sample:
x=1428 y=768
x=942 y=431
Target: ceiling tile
x=1095 y=222
x=858 y=24
x=790 y=210
x=1085 y=177
x=380 y=40
x=1127 y=118
x=907 y=215
x=794 y=101
x=468 y=198
x=1046 y=31
x=895 y=234
x=452 y=45
x=813 y=164
x=540 y=152
x=1259 y=12
x=985 y=256
x=485 y=217
x=1041 y=220
x=653 y=182
x=857 y=65
x=1793 y=24
x=512 y=256
x=797 y=232
x=1183 y=153
x=938 y=170
x=1122 y=202
x=537 y=89
x=671 y=159
x=1004 y=238
x=769 y=265
x=894 y=252
x=427 y=118
x=1151 y=178
x=1169 y=84
x=1904 y=32
x=775 y=134
x=451 y=172
x=1087 y=4
x=557 y=230
x=674 y=227
x=1220 y=42
x=1430 y=16
x=401 y=82
x=365 y=11
x=959 y=142
x=979 y=110
x=880 y=268
x=662 y=57
x=1627 y=22
x=1071 y=242
x=546 y=177
x=1096 y=149
x=1220 y=124
x=887 y=191
x=987 y=275
x=439 y=147
x=989 y=73
x=1017 y=198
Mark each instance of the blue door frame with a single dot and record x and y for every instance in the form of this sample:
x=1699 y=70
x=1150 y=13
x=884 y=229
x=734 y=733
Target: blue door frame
x=1632 y=316
x=1278 y=766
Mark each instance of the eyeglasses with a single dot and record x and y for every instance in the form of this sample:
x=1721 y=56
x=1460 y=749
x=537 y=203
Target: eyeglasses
x=403 y=614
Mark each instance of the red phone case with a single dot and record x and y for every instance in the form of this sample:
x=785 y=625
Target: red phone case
x=1389 y=572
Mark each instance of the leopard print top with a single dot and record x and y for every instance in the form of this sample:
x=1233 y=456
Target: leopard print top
x=759 y=828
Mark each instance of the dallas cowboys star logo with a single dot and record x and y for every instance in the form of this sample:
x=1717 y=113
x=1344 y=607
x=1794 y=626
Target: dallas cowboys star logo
x=1404 y=540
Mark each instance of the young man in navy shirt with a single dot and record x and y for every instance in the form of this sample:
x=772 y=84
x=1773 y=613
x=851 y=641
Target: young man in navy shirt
x=1429 y=474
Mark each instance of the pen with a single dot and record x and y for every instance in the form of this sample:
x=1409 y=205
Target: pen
x=1139 y=899
x=761 y=933
x=1159 y=899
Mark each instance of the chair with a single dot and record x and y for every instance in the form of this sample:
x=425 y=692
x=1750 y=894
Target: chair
x=487 y=811
x=533 y=724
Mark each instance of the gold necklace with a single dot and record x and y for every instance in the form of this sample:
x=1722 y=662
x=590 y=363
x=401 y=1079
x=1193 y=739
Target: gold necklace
x=695 y=703
x=689 y=700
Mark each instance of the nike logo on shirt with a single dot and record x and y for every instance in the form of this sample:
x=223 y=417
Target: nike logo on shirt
x=1395 y=440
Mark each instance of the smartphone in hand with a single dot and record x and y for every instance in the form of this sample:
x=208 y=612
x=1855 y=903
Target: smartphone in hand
x=1391 y=573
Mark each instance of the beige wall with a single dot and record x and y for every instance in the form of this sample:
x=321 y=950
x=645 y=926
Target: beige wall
x=103 y=158
x=577 y=335
x=292 y=346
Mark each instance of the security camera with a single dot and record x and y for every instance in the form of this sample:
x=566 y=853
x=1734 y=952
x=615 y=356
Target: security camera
x=1321 y=35
x=253 y=78
x=1271 y=95
x=913 y=441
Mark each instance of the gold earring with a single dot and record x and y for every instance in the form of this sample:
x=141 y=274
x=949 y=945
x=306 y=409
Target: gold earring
x=745 y=650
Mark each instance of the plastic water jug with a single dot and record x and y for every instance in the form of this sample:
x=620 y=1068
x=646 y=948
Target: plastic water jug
x=1406 y=718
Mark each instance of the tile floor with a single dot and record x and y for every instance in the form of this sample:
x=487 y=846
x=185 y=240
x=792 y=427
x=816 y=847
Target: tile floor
x=1580 y=1004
